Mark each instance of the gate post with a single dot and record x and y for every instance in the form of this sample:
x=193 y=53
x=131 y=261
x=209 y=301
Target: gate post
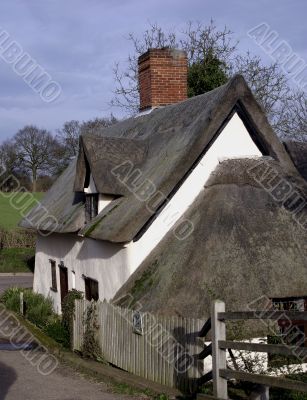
x=21 y=304
x=218 y=355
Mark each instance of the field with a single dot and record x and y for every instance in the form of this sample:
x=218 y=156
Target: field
x=17 y=260
x=9 y=205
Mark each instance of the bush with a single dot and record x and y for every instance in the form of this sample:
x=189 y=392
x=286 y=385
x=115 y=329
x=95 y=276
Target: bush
x=11 y=299
x=17 y=238
x=38 y=309
x=55 y=329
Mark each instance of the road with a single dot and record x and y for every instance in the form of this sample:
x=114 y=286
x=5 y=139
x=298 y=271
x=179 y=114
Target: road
x=19 y=380
x=9 y=280
x=22 y=378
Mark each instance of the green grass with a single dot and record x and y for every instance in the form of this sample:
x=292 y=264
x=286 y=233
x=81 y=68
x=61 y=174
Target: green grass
x=17 y=260
x=11 y=205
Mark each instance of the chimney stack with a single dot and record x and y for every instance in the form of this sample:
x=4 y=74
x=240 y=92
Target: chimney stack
x=163 y=77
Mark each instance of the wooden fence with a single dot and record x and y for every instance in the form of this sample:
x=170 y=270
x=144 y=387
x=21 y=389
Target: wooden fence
x=220 y=373
x=162 y=349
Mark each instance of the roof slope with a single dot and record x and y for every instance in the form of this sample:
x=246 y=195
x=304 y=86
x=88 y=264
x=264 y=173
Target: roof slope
x=298 y=154
x=167 y=143
x=62 y=204
x=244 y=246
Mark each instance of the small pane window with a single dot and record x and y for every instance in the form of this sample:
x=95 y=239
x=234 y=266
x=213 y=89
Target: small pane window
x=292 y=332
x=73 y=279
x=91 y=206
x=91 y=289
x=53 y=275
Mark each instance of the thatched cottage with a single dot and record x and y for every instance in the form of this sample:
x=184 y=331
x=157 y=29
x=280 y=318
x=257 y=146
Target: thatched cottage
x=178 y=205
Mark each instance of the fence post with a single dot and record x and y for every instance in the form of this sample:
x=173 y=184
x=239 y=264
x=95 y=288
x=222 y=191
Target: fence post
x=21 y=304
x=263 y=393
x=218 y=355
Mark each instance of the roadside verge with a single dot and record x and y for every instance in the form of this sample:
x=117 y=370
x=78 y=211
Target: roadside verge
x=117 y=379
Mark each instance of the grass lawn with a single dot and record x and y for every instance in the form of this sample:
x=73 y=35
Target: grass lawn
x=17 y=260
x=10 y=207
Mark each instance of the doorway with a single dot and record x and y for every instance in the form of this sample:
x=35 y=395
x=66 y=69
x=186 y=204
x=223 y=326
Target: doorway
x=63 y=281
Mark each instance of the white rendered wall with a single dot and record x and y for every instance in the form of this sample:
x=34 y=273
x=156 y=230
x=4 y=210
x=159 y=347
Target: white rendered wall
x=104 y=199
x=104 y=261
x=91 y=187
x=112 y=264
x=234 y=141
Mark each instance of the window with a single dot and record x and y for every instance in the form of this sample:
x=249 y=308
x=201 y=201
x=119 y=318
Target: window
x=53 y=276
x=91 y=289
x=294 y=332
x=73 y=280
x=91 y=206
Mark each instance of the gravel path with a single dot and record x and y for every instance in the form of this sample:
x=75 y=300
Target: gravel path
x=21 y=381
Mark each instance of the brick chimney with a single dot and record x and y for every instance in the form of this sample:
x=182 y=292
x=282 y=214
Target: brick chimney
x=162 y=77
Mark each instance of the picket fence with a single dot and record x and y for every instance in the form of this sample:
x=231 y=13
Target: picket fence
x=166 y=351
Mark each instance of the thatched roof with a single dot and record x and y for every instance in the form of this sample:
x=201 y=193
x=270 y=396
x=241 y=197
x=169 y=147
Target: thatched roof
x=243 y=246
x=298 y=154
x=164 y=146
x=61 y=210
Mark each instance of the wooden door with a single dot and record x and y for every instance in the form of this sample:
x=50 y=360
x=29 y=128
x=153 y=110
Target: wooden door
x=63 y=282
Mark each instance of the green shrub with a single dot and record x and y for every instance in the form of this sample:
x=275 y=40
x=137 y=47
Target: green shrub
x=56 y=331
x=38 y=309
x=16 y=238
x=11 y=299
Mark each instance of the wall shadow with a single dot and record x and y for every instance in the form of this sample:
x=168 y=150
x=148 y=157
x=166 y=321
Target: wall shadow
x=7 y=377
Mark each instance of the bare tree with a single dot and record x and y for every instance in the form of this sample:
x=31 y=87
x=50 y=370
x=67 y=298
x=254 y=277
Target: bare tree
x=286 y=108
x=8 y=158
x=292 y=118
x=68 y=137
x=37 y=151
x=8 y=165
x=200 y=42
x=98 y=123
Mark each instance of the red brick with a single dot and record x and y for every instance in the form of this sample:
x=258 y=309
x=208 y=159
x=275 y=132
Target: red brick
x=162 y=77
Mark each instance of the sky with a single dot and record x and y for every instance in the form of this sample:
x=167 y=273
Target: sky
x=78 y=42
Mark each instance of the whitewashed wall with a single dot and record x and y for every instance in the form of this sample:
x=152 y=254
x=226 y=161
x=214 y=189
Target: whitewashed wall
x=106 y=262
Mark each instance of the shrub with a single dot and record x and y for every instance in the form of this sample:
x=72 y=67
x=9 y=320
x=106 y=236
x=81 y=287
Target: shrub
x=11 y=299
x=38 y=309
x=56 y=331
x=17 y=238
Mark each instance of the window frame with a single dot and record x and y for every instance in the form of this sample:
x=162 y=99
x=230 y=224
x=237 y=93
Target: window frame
x=298 y=303
x=91 y=206
x=89 y=291
x=54 y=282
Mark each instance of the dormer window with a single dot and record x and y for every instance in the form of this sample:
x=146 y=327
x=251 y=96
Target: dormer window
x=91 y=206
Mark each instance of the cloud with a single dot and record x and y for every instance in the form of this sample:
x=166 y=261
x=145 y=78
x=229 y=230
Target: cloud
x=78 y=41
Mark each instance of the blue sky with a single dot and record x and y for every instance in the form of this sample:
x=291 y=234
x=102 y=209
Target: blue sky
x=77 y=43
